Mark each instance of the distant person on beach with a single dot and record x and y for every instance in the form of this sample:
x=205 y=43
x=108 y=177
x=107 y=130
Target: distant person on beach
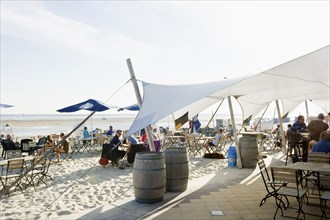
x=49 y=144
x=110 y=131
x=315 y=127
x=215 y=141
x=230 y=134
x=86 y=133
x=299 y=125
x=62 y=148
x=324 y=144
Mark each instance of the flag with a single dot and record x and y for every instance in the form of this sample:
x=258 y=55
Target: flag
x=247 y=120
x=181 y=121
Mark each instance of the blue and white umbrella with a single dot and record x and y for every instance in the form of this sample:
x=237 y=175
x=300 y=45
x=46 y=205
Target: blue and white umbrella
x=134 y=107
x=5 y=106
x=89 y=105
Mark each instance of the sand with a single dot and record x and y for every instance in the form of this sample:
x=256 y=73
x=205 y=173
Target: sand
x=83 y=184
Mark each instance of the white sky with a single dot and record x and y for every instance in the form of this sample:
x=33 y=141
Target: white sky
x=58 y=53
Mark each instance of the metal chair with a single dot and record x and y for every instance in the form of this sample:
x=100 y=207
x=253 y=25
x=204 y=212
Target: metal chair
x=292 y=189
x=294 y=147
x=271 y=186
x=14 y=170
x=324 y=192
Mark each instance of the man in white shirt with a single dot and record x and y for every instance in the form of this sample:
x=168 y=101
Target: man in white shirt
x=215 y=141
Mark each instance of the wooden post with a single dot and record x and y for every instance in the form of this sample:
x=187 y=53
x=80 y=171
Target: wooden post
x=139 y=100
x=239 y=160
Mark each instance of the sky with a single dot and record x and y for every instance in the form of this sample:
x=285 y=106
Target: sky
x=58 y=53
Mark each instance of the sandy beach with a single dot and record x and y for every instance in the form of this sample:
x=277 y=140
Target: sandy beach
x=83 y=184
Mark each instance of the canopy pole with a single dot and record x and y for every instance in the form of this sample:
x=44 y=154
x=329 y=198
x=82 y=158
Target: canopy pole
x=213 y=114
x=239 y=160
x=307 y=113
x=261 y=118
x=281 y=125
x=139 y=100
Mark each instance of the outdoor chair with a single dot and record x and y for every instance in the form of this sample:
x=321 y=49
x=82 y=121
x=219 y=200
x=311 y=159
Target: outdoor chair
x=41 y=143
x=7 y=145
x=292 y=189
x=14 y=170
x=68 y=155
x=294 y=147
x=324 y=192
x=271 y=186
x=316 y=157
x=37 y=172
x=25 y=146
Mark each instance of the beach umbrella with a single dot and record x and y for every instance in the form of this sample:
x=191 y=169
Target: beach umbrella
x=5 y=106
x=89 y=105
x=134 y=107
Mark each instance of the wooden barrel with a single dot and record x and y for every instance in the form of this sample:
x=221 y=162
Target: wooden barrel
x=249 y=151
x=177 y=169
x=149 y=176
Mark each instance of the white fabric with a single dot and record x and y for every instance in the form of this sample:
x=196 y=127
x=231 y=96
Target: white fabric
x=304 y=78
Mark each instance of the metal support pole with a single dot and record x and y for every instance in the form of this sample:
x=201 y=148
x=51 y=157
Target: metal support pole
x=139 y=100
x=307 y=112
x=281 y=125
x=239 y=160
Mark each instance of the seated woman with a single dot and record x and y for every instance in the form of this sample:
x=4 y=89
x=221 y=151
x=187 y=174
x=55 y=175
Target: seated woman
x=62 y=148
x=49 y=144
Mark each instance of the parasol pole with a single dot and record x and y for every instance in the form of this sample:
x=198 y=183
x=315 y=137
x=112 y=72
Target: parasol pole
x=139 y=100
x=239 y=160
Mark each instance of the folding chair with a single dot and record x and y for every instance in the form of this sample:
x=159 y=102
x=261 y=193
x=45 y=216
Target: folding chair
x=11 y=154
x=68 y=155
x=37 y=171
x=292 y=189
x=324 y=192
x=14 y=170
x=271 y=186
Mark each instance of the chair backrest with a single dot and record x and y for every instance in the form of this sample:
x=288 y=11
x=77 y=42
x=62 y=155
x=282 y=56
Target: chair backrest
x=319 y=157
x=293 y=137
x=42 y=141
x=8 y=145
x=25 y=147
x=11 y=154
x=15 y=166
x=264 y=172
x=287 y=175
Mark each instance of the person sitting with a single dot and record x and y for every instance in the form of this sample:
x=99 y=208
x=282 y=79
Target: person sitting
x=62 y=148
x=299 y=125
x=10 y=145
x=116 y=154
x=324 y=144
x=315 y=127
x=48 y=145
x=215 y=141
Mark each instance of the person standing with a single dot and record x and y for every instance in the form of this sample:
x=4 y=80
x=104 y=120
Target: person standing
x=110 y=131
x=315 y=127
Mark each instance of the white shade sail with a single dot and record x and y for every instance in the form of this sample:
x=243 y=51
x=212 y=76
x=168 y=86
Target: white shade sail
x=304 y=78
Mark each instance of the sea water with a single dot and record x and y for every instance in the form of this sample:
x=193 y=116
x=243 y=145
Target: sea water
x=26 y=125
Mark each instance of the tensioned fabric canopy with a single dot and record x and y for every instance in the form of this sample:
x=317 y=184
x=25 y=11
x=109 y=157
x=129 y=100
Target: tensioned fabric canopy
x=304 y=78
